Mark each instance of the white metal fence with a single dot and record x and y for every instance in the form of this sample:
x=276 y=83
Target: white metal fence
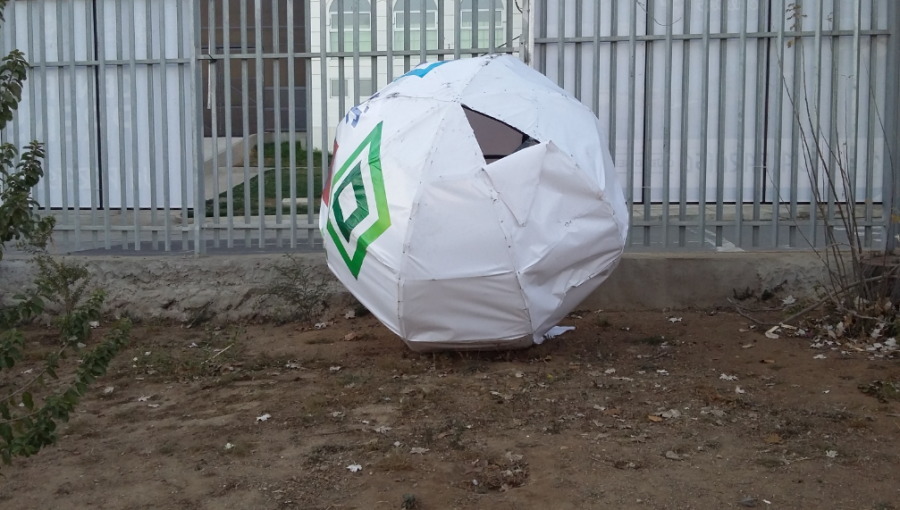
x=206 y=125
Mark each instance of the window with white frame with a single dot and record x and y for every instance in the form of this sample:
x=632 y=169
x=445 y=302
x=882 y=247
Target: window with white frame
x=481 y=14
x=467 y=13
x=366 y=88
x=415 y=13
x=350 y=14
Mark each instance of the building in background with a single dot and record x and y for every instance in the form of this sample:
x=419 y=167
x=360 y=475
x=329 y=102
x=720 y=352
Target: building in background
x=398 y=26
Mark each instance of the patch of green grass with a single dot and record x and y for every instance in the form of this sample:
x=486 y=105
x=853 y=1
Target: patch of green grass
x=270 y=184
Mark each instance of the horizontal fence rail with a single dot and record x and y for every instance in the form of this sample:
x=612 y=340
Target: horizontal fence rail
x=729 y=121
x=207 y=125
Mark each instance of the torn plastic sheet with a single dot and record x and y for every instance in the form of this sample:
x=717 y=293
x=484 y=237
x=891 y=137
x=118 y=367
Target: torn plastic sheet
x=472 y=205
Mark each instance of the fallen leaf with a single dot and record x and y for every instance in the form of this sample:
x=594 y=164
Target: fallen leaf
x=264 y=417
x=351 y=336
x=351 y=314
x=831 y=454
x=144 y=399
x=154 y=406
x=418 y=450
x=94 y=324
x=108 y=390
x=228 y=446
x=773 y=439
x=789 y=300
x=321 y=325
x=354 y=468
x=726 y=377
x=767 y=361
x=672 y=455
x=334 y=369
x=819 y=356
x=654 y=419
x=674 y=319
x=739 y=390
x=382 y=429
x=771 y=333
x=609 y=371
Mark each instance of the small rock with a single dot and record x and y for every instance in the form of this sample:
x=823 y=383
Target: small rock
x=672 y=455
x=108 y=390
x=748 y=502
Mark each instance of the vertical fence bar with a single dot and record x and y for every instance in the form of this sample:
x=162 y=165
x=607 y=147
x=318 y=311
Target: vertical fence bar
x=373 y=41
x=492 y=26
x=406 y=37
x=817 y=131
x=183 y=44
x=853 y=145
x=614 y=77
x=310 y=167
x=135 y=169
x=720 y=138
x=632 y=70
x=260 y=123
x=73 y=118
x=342 y=88
x=579 y=14
x=61 y=74
x=276 y=100
x=389 y=39
x=742 y=105
x=870 y=134
x=120 y=111
x=213 y=106
x=647 y=185
x=104 y=131
x=356 y=42
x=667 y=122
x=561 y=45
x=151 y=126
x=91 y=72
x=704 y=125
x=685 y=98
x=476 y=24
x=543 y=31
x=229 y=106
x=833 y=128
x=245 y=117
x=440 y=35
x=200 y=200
x=457 y=29
x=292 y=116
x=164 y=110
x=779 y=123
x=324 y=76
x=795 y=135
x=423 y=34
x=595 y=84
x=45 y=115
x=762 y=87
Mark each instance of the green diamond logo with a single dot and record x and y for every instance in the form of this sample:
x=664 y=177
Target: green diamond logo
x=353 y=224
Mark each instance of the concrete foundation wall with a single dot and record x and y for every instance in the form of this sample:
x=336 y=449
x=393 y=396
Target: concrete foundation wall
x=232 y=288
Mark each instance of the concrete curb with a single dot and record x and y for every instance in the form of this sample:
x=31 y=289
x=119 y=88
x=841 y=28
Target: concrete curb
x=231 y=288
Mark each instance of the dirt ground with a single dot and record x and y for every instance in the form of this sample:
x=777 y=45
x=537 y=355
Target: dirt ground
x=630 y=410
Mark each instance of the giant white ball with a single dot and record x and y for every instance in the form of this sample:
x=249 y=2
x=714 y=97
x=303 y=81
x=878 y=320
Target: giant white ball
x=472 y=204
